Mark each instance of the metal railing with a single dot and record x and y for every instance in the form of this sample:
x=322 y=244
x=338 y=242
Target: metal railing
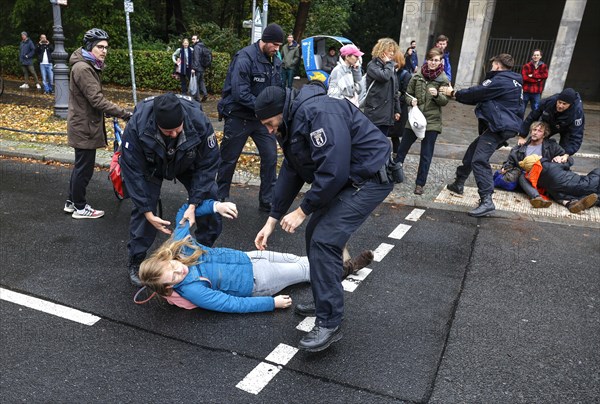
x=519 y=49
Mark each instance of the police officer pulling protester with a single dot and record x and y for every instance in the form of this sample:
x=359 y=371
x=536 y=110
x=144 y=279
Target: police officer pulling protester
x=563 y=112
x=331 y=145
x=168 y=138
x=252 y=69
x=86 y=130
x=499 y=100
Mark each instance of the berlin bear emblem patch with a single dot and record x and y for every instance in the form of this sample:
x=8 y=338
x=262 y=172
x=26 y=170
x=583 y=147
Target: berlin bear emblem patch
x=318 y=137
x=212 y=141
x=578 y=122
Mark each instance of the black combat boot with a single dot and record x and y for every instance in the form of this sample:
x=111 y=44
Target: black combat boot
x=486 y=206
x=458 y=187
x=134 y=269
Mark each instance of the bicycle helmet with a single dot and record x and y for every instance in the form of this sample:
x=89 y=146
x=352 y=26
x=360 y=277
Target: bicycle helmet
x=92 y=37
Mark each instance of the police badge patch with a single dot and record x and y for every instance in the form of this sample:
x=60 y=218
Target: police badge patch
x=578 y=122
x=318 y=137
x=486 y=82
x=212 y=141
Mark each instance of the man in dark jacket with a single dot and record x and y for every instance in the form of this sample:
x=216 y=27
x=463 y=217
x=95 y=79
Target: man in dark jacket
x=44 y=51
x=168 y=138
x=252 y=69
x=331 y=145
x=576 y=192
x=499 y=100
x=199 y=48
x=564 y=113
x=26 y=54
x=539 y=144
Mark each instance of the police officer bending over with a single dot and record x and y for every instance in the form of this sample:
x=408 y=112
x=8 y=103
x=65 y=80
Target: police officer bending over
x=499 y=100
x=563 y=112
x=331 y=145
x=170 y=138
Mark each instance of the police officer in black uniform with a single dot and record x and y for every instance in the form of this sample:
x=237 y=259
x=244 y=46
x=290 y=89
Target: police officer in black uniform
x=168 y=138
x=499 y=100
x=331 y=145
x=252 y=69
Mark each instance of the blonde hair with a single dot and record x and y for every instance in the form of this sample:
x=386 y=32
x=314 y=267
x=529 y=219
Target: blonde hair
x=152 y=269
x=384 y=45
x=543 y=124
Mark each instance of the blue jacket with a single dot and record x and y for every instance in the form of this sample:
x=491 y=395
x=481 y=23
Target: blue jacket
x=499 y=100
x=249 y=73
x=447 y=67
x=328 y=143
x=230 y=274
x=145 y=163
x=26 y=52
x=570 y=123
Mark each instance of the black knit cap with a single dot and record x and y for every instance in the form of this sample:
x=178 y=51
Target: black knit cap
x=168 y=111
x=568 y=95
x=269 y=102
x=273 y=33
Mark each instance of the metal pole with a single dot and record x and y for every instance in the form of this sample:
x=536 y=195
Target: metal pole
x=264 y=13
x=130 y=53
x=61 y=70
x=253 y=16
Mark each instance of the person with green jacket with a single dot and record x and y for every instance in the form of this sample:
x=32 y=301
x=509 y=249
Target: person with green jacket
x=423 y=92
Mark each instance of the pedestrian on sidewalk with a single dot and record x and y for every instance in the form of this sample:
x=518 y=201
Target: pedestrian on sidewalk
x=499 y=100
x=345 y=78
x=535 y=73
x=331 y=145
x=423 y=93
x=198 y=67
x=168 y=138
x=86 y=130
x=182 y=57
x=290 y=58
x=26 y=54
x=44 y=51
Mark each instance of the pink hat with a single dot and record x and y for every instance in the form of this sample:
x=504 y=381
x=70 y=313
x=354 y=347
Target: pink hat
x=350 y=50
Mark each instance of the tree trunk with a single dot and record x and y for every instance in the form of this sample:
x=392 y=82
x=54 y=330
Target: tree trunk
x=301 y=19
x=179 y=26
x=168 y=14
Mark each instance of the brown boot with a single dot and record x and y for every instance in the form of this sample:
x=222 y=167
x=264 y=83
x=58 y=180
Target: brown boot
x=539 y=202
x=582 y=204
x=357 y=263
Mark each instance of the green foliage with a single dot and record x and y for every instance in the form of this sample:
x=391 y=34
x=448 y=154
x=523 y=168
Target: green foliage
x=329 y=17
x=218 y=39
x=153 y=69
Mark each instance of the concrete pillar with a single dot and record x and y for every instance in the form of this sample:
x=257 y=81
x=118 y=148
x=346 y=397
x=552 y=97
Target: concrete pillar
x=475 y=39
x=418 y=20
x=564 y=46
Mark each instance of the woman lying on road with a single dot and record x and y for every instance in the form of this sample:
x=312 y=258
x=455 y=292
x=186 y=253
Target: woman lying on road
x=191 y=275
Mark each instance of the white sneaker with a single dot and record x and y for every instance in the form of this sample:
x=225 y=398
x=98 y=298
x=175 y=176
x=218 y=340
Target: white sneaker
x=38 y=86
x=87 y=213
x=25 y=85
x=69 y=207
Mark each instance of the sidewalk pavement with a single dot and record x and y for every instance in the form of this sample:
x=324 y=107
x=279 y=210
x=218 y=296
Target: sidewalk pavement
x=460 y=128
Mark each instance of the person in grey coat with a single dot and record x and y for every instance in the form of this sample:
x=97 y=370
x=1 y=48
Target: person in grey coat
x=26 y=54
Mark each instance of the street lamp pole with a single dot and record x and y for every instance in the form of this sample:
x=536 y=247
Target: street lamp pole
x=61 y=70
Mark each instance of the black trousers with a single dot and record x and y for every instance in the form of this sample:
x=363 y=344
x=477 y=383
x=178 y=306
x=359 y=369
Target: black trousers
x=83 y=170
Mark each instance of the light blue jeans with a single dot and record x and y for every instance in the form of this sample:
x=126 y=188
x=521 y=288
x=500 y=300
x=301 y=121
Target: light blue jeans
x=274 y=271
x=47 y=76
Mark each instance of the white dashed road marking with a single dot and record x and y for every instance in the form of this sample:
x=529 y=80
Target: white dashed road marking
x=48 y=307
x=264 y=372
x=352 y=281
x=381 y=251
x=399 y=231
x=415 y=215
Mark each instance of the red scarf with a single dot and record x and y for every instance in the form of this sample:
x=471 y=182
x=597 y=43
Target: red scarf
x=431 y=74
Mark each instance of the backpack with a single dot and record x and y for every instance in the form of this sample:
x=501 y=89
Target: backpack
x=206 y=57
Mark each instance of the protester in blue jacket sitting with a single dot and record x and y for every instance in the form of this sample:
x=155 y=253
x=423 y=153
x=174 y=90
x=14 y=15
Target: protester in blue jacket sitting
x=223 y=279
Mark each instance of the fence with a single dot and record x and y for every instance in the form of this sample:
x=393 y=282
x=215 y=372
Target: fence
x=519 y=49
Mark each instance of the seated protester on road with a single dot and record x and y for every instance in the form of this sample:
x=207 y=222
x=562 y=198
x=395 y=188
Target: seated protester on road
x=191 y=275
x=564 y=114
x=539 y=144
x=575 y=192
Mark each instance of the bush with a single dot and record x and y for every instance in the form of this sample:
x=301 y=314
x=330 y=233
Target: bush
x=153 y=69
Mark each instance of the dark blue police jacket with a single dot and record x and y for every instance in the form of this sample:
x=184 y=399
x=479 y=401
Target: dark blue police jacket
x=328 y=143
x=146 y=160
x=499 y=100
x=249 y=73
x=569 y=123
